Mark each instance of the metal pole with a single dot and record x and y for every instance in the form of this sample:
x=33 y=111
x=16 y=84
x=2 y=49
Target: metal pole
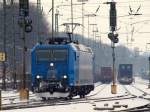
x=14 y=55
x=24 y=57
x=82 y=21
x=14 y=46
x=12 y=2
x=93 y=37
x=149 y=73
x=23 y=13
x=4 y=47
x=72 y=19
x=24 y=93
x=38 y=24
x=113 y=24
x=52 y=19
x=88 y=30
x=0 y=100
x=93 y=32
x=88 y=16
x=56 y=21
x=113 y=55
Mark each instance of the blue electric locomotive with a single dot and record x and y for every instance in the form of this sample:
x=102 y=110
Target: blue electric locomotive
x=62 y=69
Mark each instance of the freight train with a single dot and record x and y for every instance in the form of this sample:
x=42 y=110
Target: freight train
x=125 y=73
x=62 y=68
x=106 y=75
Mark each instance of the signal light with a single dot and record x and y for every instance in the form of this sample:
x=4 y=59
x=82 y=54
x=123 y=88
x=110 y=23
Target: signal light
x=113 y=37
x=28 y=26
x=24 y=8
x=27 y=22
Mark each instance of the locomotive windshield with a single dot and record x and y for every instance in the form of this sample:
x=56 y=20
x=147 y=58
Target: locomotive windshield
x=52 y=55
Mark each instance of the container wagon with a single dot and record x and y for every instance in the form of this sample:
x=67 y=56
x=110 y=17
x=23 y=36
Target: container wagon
x=125 y=73
x=106 y=75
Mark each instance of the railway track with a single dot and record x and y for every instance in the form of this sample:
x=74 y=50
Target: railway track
x=143 y=83
x=13 y=97
x=39 y=103
x=144 y=108
x=103 y=86
x=17 y=97
x=139 y=89
x=33 y=103
x=142 y=95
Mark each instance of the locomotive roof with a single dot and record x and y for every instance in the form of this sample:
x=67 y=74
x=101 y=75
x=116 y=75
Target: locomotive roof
x=81 y=47
x=78 y=47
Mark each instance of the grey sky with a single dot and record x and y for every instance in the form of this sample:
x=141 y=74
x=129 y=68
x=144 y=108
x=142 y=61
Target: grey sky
x=135 y=29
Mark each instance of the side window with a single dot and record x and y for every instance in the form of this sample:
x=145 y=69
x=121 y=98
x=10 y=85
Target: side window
x=75 y=56
x=128 y=67
x=123 y=67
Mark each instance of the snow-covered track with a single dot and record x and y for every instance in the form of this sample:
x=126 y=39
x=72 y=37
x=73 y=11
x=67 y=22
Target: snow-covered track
x=52 y=102
x=144 y=108
x=103 y=86
x=145 y=93
x=15 y=97
x=136 y=92
x=143 y=83
x=33 y=104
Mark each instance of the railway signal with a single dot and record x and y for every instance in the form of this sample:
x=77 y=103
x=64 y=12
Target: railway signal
x=24 y=8
x=28 y=26
x=24 y=20
x=113 y=37
x=113 y=18
x=25 y=23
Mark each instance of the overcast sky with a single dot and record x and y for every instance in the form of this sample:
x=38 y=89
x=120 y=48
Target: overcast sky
x=135 y=29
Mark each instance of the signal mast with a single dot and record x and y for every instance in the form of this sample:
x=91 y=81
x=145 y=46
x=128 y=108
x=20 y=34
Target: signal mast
x=113 y=37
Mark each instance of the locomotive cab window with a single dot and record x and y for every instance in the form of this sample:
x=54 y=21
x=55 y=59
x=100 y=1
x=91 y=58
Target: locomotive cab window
x=52 y=55
x=123 y=67
x=60 y=55
x=43 y=55
x=128 y=67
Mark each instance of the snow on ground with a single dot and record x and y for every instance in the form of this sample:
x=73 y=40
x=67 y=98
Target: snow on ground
x=104 y=91
x=101 y=91
x=65 y=108
x=13 y=97
x=143 y=84
x=140 y=80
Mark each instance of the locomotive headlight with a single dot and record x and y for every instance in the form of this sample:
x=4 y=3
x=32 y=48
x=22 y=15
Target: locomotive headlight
x=65 y=76
x=51 y=64
x=38 y=77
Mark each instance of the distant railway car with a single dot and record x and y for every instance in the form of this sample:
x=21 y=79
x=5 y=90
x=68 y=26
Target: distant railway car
x=106 y=75
x=125 y=73
x=62 y=69
x=97 y=75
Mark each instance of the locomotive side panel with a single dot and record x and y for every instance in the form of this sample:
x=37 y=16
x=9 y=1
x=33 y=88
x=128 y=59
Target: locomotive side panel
x=85 y=68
